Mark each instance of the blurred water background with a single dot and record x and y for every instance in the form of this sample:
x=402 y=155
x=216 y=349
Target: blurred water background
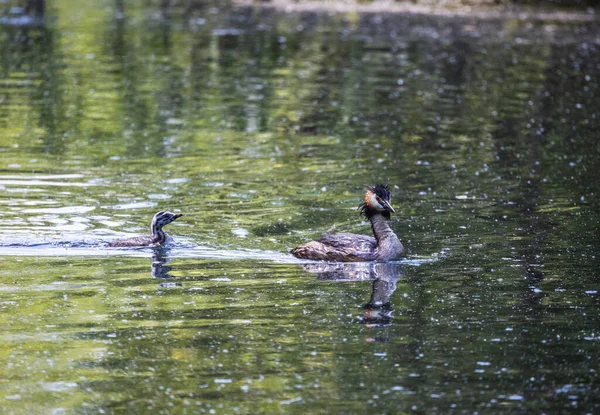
x=263 y=127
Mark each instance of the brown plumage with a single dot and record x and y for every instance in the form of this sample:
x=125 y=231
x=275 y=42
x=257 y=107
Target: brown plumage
x=158 y=237
x=349 y=247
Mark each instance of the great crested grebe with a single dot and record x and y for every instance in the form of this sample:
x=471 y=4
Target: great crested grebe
x=350 y=247
x=158 y=237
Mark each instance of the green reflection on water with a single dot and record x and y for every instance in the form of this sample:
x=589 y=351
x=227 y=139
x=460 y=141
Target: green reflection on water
x=264 y=128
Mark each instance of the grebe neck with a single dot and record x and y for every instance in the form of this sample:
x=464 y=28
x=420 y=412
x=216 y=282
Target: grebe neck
x=158 y=235
x=388 y=244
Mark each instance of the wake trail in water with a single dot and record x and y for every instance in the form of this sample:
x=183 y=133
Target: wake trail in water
x=180 y=249
x=198 y=252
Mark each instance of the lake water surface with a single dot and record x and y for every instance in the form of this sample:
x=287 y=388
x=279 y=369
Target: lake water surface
x=264 y=127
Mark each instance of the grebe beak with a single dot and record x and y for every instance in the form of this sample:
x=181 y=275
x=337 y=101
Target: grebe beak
x=177 y=215
x=388 y=207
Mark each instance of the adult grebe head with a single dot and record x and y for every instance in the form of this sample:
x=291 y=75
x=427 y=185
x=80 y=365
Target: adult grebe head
x=377 y=201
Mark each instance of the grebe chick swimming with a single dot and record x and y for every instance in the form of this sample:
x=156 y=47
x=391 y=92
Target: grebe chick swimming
x=158 y=237
x=350 y=247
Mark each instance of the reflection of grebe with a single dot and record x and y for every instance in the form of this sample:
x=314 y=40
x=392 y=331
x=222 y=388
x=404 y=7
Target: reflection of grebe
x=378 y=311
x=160 y=269
x=159 y=263
x=158 y=237
x=349 y=247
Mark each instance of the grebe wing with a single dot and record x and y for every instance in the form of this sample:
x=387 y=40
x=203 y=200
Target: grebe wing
x=145 y=240
x=350 y=241
x=344 y=247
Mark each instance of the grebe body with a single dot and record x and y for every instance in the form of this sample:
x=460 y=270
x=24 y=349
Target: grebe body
x=349 y=247
x=158 y=236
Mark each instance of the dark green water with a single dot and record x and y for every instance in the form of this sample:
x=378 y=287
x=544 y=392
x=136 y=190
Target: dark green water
x=264 y=128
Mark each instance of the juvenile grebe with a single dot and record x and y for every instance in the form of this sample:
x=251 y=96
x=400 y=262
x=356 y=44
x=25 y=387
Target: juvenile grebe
x=350 y=247
x=158 y=237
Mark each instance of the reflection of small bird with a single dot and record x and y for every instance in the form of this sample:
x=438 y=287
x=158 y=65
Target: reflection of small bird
x=349 y=247
x=158 y=237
